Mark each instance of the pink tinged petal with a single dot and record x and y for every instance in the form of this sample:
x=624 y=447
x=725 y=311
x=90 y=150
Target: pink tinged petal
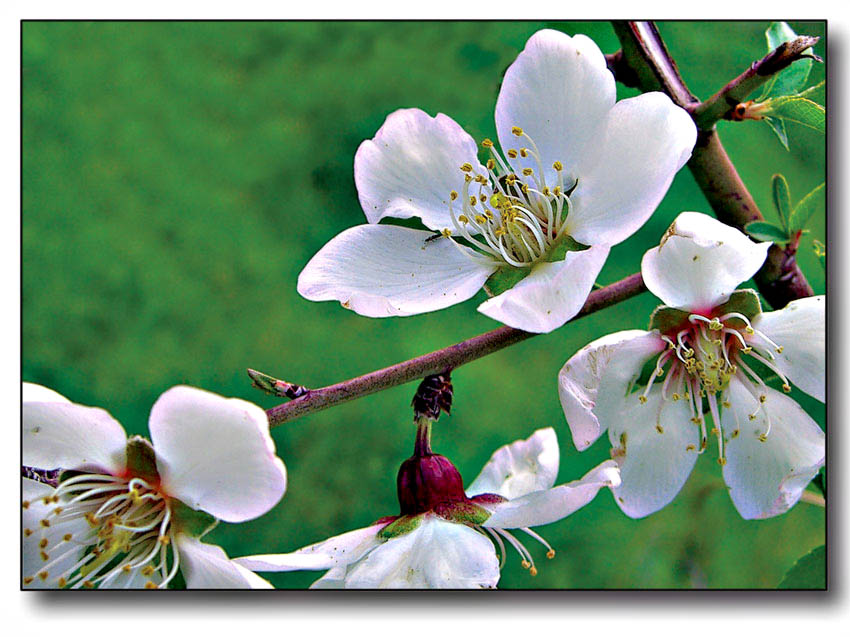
x=767 y=478
x=207 y=566
x=647 y=139
x=68 y=436
x=411 y=166
x=520 y=467
x=700 y=262
x=559 y=91
x=61 y=554
x=595 y=382
x=437 y=554
x=32 y=393
x=335 y=552
x=551 y=505
x=216 y=454
x=800 y=330
x=551 y=295
x=382 y=271
x=656 y=446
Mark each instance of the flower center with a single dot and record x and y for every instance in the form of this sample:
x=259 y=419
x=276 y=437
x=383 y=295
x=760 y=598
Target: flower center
x=98 y=527
x=701 y=360
x=514 y=219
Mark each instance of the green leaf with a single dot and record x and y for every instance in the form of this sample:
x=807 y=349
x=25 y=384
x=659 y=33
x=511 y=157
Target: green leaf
x=796 y=109
x=565 y=244
x=808 y=573
x=816 y=93
x=766 y=231
x=778 y=127
x=191 y=522
x=782 y=200
x=504 y=279
x=791 y=79
x=805 y=208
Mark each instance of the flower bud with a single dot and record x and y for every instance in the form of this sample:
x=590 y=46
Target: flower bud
x=425 y=482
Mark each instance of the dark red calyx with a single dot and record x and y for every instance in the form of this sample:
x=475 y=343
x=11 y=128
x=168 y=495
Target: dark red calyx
x=426 y=482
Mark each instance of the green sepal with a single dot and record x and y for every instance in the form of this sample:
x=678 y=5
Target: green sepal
x=805 y=208
x=744 y=302
x=463 y=513
x=808 y=573
x=565 y=244
x=191 y=522
x=504 y=279
x=766 y=231
x=796 y=109
x=791 y=79
x=782 y=199
x=141 y=459
x=404 y=524
x=668 y=319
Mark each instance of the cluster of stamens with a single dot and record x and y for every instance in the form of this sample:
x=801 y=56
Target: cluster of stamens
x=116 y=527
x=527 y=560
x=700 y=361
x=514 y=219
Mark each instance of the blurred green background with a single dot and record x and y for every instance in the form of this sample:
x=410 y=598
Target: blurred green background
x=178 y=176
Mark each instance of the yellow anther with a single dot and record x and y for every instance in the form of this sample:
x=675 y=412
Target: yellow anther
x=25 y=504
x=148 y=570
x=675 y=397
x=43 y=575
x=67 y=537
x=45 y=523
x=749 y=330
x=58 y=510
x=659 y=372
x=44 y=556
x=736 y=433
x=551 y=554
x=557 y=191
x=528 y=172
x=62 y=582
x=512 y=153
x=446 y=233
x=558 y=165
x=47 y=499
x=164 y=540
x=721 y=461
x=88 y=583
x=150 y=585
x=786 y=388
x=27 y=532
x=525 y=564
x=467 y=178
x=533 y=571
x=516 y=130
x=642 y=399
x=491 y=164
x=463 y=219
x=487 y=143
x=659 y=429
x=481 y=179
x=480 y=219
x=780 y=349
x=500 y=231
x=763 y=437
x=453 y=195
x=466 y=167
x=690 y=448
x=523 y=152
x=28 y=580
x=546 y=191
x=715 y=431
x=727 y=404
x=126 y=568
x=751 y=416
x=762 y=398
x=43 y=543
x=747 y=349
x=472 y=200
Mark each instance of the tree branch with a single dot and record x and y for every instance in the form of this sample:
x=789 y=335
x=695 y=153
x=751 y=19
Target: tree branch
x=439 y=361
x=780 y=280
x=722 y=104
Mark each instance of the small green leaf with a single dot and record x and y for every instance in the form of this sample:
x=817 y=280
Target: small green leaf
x=796 y=109
x=667 y=319
x=744 y=302
x=504 y=279
x=191 y=522
x=782 y=200
x=766 y=231
x=805 y=208
x=791 y=79
x=778 y=127
x=565 y=244
x=816 y=93
x=808 y=573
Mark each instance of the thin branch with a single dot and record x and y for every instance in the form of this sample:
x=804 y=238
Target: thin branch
x=780 y=280
x=438 y=361
x=722 y=104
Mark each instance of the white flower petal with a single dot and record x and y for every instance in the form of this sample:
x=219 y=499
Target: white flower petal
x=520 y=467
x=654 y=463
x=207 y=566
x=411 y=166
x=437 y=554
x=335 y=552
x=559 y=91
x=216 y=454
x=64 y=435
x=767 y=478
x=61 y=555
x=32 y=393
x=551 y=505
x=700 y=262
x=647 y=140
x=595 y=381
x=551 y=295
x=384 y=271
x=800 y=329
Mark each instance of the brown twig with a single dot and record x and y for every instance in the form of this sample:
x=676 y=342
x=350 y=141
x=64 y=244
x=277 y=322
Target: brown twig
x=438 y=361
x=780 y=280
